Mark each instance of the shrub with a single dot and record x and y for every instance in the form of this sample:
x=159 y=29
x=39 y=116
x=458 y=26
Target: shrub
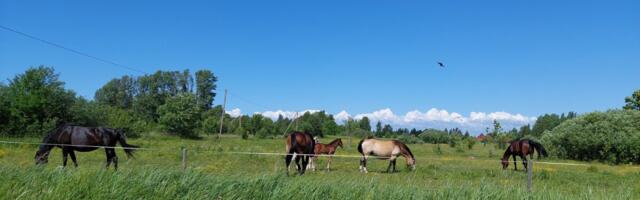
x=180 y=115
x=612 y=137
x=471 y=142
x=408 y=139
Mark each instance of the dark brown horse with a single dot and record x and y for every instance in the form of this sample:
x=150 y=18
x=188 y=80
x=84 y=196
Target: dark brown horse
x=299 y=146
x=522 y=148
x=327 y=149
x=83 y=139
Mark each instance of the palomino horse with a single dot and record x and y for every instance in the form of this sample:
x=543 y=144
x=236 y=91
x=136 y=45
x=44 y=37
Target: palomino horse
x=522 y=148
x=299 y=146
x=385 y=149
x=328 y=149
x=83 y=139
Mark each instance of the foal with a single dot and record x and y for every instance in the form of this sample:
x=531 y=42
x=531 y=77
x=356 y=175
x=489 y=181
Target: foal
x=328 y=149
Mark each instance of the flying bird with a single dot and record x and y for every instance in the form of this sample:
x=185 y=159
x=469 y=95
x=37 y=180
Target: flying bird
x=440 y=64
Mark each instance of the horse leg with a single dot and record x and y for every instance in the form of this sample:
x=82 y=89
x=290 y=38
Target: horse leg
x=525 y=162
x=287 y=161
x=305 y=163
x=65 y=152
x=329 y=163
x=389 y=167
x=106 y=151
x=363 y=164
x=298 y=164
x=515 y=162
x=114 y=159
x=73 y=158
x=394 y=165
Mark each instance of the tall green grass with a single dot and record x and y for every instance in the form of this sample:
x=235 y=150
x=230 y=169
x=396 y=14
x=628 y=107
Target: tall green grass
x=443 y=174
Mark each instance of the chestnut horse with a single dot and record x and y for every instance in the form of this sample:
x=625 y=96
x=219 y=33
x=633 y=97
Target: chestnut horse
x=385 y=149
x=328 y=149
x=522 y=148
x=83 y=139
x=299 y=146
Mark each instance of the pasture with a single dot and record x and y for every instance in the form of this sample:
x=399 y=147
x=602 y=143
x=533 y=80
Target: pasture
x=216 y=170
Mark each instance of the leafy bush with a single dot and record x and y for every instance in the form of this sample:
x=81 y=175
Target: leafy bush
x=262 y=133
x=180 y=115
x=434 y=136
x=409 y=139
x=470 y=142
x=612 y=137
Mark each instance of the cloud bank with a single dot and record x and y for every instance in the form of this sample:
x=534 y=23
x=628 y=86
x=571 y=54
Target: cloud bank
x=474 y=122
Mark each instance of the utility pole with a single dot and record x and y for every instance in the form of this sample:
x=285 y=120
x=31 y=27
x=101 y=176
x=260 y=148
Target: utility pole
x=296 y=121
x=223 y=111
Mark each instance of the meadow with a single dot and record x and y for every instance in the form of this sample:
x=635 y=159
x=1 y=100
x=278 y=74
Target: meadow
x=215 y=170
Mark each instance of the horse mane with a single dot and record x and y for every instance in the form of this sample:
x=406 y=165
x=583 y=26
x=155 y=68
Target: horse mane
x=507 y=152
x=48 y=138
x=335 y=141
x=405 y=148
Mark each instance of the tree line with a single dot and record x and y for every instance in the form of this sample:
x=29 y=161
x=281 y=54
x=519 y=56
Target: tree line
x=181 y=103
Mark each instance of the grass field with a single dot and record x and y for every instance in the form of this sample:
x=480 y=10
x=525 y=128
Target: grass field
x=213 y=171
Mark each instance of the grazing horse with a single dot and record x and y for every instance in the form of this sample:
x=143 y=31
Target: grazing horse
x=83 y=139
x=299 y=146
x=522 y=148
x=385 y=149
x=328 y=149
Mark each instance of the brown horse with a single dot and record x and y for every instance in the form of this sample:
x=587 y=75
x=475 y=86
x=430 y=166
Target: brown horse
x=83 y=139
x=522 y=148
x=299 y=146
x=328 y=149
x=385 y=149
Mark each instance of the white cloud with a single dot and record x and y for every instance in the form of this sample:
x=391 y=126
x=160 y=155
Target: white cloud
x=286 y=114
x=342 y=116
x=234 y=113
x=384 y=115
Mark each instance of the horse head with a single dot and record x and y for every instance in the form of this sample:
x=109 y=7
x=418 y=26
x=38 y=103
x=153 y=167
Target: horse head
x=340 y=143
x=42 y=157
x=505 y=163
x=411 y=163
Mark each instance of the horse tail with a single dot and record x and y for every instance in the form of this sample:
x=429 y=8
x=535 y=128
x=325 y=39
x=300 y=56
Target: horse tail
x=312 y=146
x=538 y=147
x=294 y=143
x=360 y=147
x=128 y=148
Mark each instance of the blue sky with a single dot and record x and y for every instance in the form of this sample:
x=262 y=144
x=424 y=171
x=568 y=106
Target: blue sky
x=503 y=58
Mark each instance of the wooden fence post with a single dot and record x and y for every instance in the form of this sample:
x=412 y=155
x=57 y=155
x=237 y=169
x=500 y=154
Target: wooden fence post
x=184 y=158
x=529 y=175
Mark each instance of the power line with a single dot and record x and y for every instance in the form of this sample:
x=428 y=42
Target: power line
x=71 y=50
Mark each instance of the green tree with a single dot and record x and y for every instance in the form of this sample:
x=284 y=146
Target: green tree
x=330 y=127
x=497 y=129
x=205 y=88
x=180 y=115
x=378 y=128
x=633 y=101
x=365 y=124
x=117 y=92
x=36 y=101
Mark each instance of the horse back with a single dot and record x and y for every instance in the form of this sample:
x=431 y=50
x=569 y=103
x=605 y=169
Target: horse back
x=90 y=136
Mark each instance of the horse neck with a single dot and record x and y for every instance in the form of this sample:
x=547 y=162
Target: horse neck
x=507 y=153
x=405 y=153
x=50 y=139
x=334 y=143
